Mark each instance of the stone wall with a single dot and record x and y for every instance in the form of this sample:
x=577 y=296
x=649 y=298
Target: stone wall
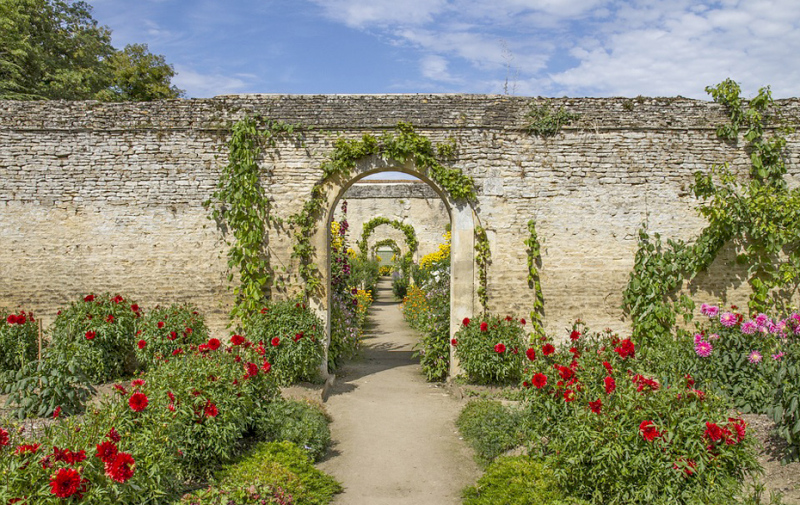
x=108 y=197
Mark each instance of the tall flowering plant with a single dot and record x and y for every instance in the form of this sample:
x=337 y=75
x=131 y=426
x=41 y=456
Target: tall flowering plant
x=164 y=329
x=18 y=339
x=490 y=349
x=98 y=333
x=616 y=434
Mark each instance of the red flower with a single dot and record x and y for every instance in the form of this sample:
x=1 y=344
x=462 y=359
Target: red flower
x=65 y=482
x=117 y=299
x=566 y=373
x=160 y=324
x=106 y=451
x=531 y=353
x=177 y=351
x=569 y=395
x=4 y=438
x=522 y=321
x=113 y=435
x=27 y=448
x=57 y=412
x=649 y=431
x=643 y=383
x=142 y=344
x=465 y=322
x=575 y=335
x=121 y=468
x=188 y=331
x=266 y=367
x=484 y=326
x=548 y=349
x=500 y=348
x=137 y=382
x=626 y=349
x=714 y=432
x=214 y=344
x=12 y=319
x=135 y=308
x=539 y=380
x=109 y=318
x=739 y=427
x=88 y=298
x=608 y=368
x=90 y=335
x=237 y=340
x=138 y=402
x=173 y=335
x=210 y=409
x=688 y=467
x=275 y=341
x=611 y=385
x=121 y=390
x=453 y=342
x=298 y=336
x=252 y=370
x=264 y=310
x=596 y=406
x=689 y=380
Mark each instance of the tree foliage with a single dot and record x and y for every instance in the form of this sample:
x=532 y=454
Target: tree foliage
x=55 y=50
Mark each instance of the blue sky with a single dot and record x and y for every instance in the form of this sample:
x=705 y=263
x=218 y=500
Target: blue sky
x=522 y=47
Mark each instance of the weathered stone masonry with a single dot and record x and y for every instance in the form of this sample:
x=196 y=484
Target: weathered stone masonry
x=107 y=197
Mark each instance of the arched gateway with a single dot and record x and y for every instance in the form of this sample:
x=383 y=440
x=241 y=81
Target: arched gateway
x=463 y=221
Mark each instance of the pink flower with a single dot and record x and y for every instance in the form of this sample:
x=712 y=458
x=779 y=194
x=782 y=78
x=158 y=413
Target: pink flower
x=709 y=310
x=703 y=349
x=749 y=327
x=777 y=357
x=698 y=338
x=728 y=319
x=754 y=357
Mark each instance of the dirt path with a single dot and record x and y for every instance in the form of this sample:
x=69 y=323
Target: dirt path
x=395 y=441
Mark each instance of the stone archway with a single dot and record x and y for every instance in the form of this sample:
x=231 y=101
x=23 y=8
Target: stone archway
x=463 y=222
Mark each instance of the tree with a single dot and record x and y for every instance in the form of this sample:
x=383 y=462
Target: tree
x=139 y=75
x=54 y=49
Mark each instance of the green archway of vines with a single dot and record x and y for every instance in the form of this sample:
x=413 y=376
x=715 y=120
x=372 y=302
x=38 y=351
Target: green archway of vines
x=387 y=242
x=407 y=229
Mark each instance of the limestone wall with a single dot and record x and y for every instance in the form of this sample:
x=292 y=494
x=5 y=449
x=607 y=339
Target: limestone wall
x=108 y=197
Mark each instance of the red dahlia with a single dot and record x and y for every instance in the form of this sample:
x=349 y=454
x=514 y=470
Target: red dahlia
x=465 y=322
x=649 y=431
x=266 y=367
x=531 y=353
x=88 y=298
x=252 y=369
x=575 y=335
x=65 y=482
x=121 y=468
x=160 y=324
x=453 y=342
x=138 y=402
x=12 y=319
x=90 y=335
x=596 y=406
x=106 y=451
x=500 y=348
x=275 y=341
x=237 y=340
x=142 y=344
x=484 y=326
x=611 y=385
x=548 y=349
x=4 y=438
x=539 y=380
x=113 y=435
x=214 y=344
x=210 y=409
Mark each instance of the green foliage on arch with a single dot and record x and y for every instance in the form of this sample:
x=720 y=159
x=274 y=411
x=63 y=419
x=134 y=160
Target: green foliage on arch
x=404 y=145
x=387 y=242
x=407 y=229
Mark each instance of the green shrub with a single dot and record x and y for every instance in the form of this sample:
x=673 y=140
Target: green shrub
x=292 y=339
x=490 y=428
x=364 y=273
x=18 y=339
x=278 y=471
x=517 y=481
x=399 y=285
x=99 y=334
x=614 y=434
x=41 y=386
x=489 y=350
x=165 y=329
x=301 y=423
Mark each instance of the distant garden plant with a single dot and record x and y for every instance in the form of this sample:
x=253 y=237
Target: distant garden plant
x=490 y=349
x=163 y=330
x=18 y=339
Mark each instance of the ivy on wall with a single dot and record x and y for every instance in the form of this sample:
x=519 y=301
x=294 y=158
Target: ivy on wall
x=242 y=209
x=483 y=256
x=534 y=264
x=407 y=229
x=545 y=121
x=760 y=215
x=403 y=145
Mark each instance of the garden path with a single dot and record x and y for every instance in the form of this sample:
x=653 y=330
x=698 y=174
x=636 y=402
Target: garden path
x=395 y=440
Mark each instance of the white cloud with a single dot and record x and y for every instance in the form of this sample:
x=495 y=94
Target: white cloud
x=365 y=13
x=199 y=85
x=435 y=68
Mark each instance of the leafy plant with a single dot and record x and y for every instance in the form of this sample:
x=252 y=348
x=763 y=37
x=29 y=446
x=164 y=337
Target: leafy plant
x=490 y=428
x=544 y=121
x=518 y=481
x=18 y=339
x=489 y=351
x=99 y=334
x=40 y=387
x=534 y=264
x=302 y=423
x=483 y=258
x=291 y=338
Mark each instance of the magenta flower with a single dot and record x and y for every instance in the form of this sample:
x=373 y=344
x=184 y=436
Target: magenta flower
x=698 y=338
x=709 y=310
x=749 y=327
x=728 y=319
x=713 y=336
x=703 y=349
x=762 y=319
x=754 y=357
x=777 y=357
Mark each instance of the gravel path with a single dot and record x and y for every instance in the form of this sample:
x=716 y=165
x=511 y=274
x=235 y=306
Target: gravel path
x=395 y=441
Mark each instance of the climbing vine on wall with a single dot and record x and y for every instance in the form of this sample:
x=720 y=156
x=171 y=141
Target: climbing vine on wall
x=483 y=256
x=403 y=145
x=760 y=215
x=407 y=229
x=242 y=207
x=534 y=263
x=545 y=121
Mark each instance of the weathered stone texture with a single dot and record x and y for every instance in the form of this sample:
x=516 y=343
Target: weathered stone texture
x=108 y=197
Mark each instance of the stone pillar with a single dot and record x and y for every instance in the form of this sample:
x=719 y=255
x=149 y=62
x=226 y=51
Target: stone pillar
x=462 y=272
